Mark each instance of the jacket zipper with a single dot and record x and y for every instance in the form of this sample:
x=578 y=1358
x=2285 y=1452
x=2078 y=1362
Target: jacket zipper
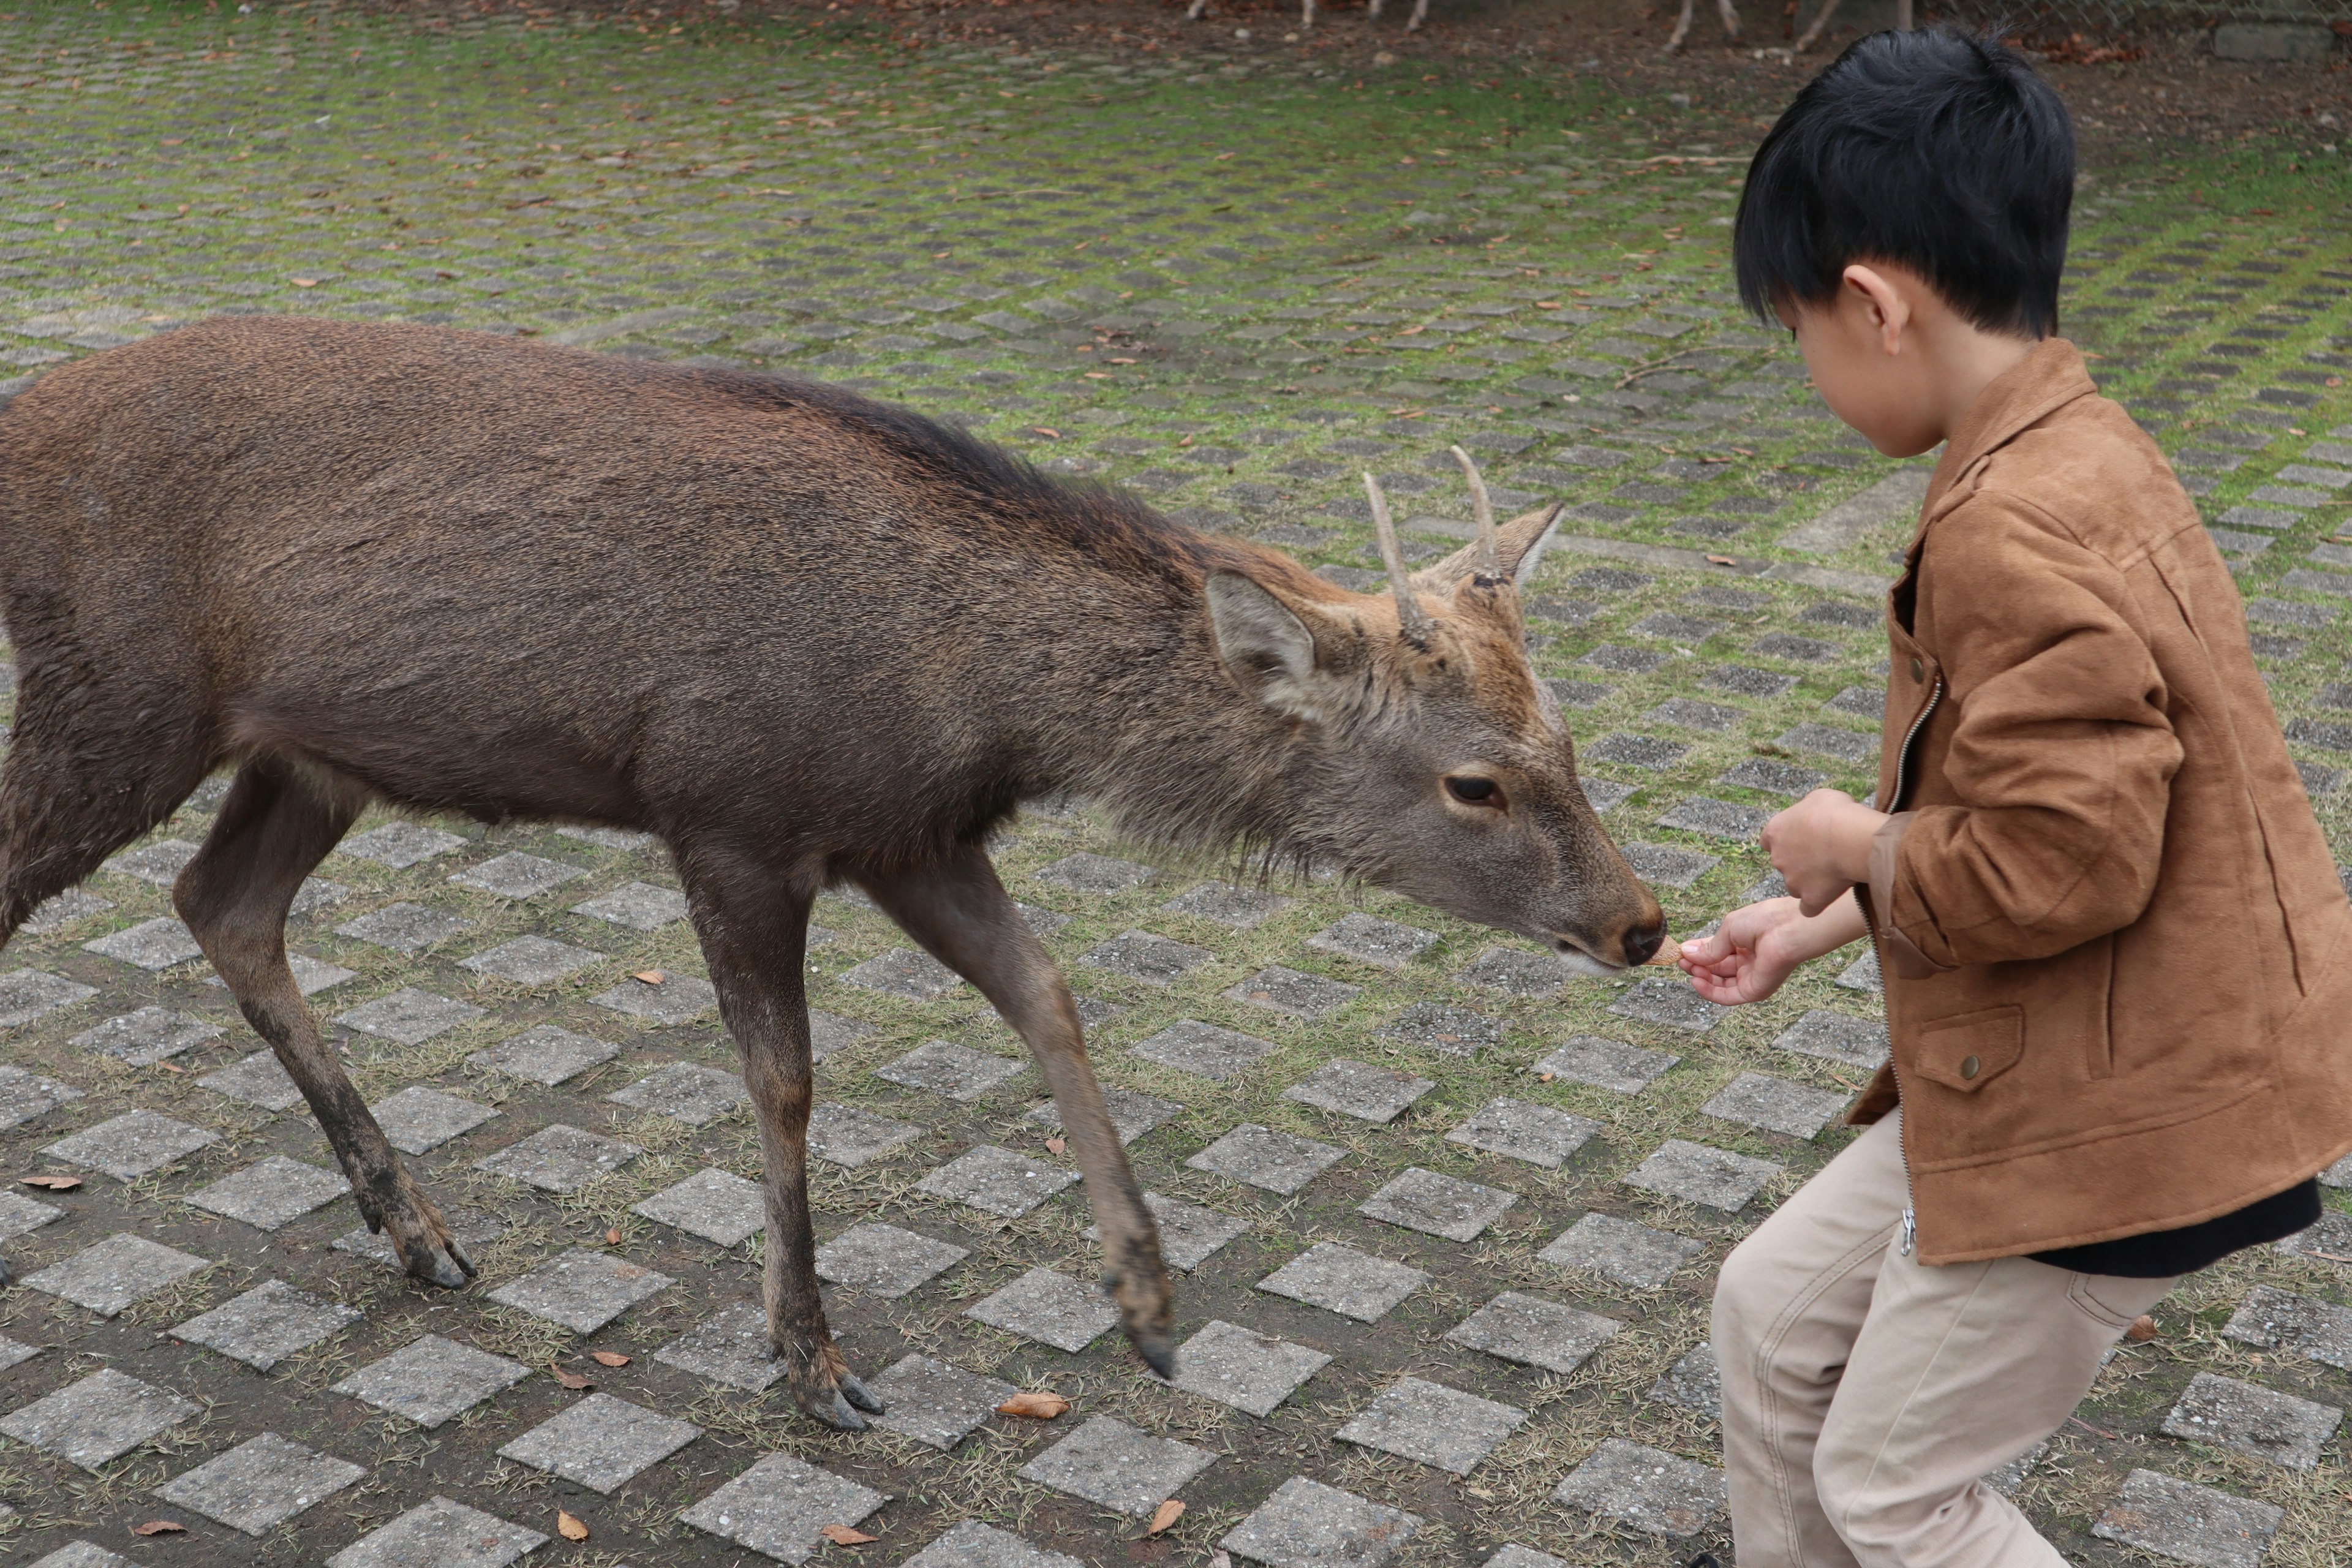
x=1906 y=1240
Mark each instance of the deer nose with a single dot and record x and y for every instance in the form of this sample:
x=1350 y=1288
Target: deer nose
x=1642 y=942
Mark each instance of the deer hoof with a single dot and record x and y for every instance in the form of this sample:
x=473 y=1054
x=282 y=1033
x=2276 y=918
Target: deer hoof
x=859 y=1395
x=837 y=1404
x=7 y=1275
x=445 y=1265
x=1157 y=1351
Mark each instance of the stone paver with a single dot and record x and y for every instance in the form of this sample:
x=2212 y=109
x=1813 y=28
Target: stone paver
x=432 y=1380
x=1243 y=1368
x=997 y=1181
x=1606 y=1064
x=271 y=1193
x=1696 y=1173
x=97 y=1419
x=581 y=1289
x=440 y=1533
x=2251 y=1419
x=1535 y=1133
x=267 y=1324
x=1645 y=1489
x=115 y=1273
x=1108 y=1462
x=1632 y=1255
x=261 y=1483
x=718 y=1205
x=1534 y=1332
x=601 y=1442
x=937 y=1403
x=886 y=1260
x=1278 y=1162
x=1050 y=1308
x=546 y=1055
x=685 y=1091
x=560 y=1159
x=1438 y=1205
x=1359 y=1089
x=1306 y=1524
x=1435 y=1424
x=1335 y=1276
x=2189 y=1523
x=972 y=1545
x=128 y=1146
x=1204 y=1048
x=668 y=1002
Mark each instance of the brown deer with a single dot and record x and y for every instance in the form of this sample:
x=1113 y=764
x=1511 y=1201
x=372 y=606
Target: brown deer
x=804 y=638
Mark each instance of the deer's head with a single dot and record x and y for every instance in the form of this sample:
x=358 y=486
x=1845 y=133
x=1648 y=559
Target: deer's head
x=1425 y=755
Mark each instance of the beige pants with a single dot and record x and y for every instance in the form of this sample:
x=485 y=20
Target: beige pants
x=1865 y=1394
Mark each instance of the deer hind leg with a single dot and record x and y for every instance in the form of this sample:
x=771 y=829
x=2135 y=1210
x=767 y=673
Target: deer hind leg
x=960 y=912
x=1682 y=28
x=1730 y=18
x=272 y=830
x=753 y=927
x=1194 y=14
x=1420 y=10
x=1306 y=18
x=1821 y=20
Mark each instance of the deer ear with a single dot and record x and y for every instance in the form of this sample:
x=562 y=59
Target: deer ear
x=1265 y=643
x=1521 y=547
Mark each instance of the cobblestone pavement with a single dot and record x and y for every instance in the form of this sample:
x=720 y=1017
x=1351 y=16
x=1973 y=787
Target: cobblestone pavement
x=1447 y=1218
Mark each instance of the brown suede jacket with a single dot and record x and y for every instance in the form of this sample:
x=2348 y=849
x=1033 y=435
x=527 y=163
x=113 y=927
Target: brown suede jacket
x=2113 y=939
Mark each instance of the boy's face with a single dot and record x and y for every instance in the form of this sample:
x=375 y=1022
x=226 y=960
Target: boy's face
x=1865 y=354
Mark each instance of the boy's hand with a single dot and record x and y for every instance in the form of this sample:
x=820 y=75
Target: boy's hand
x=1760 y=945
x=1821 y=847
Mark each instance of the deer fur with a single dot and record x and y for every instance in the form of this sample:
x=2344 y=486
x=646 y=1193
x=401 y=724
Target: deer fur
x=803 y=638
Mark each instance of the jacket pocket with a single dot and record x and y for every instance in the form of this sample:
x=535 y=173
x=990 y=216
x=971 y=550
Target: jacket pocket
x=1969 y=1051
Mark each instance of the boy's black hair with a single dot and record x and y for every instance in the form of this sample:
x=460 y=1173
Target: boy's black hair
x=1935 y=149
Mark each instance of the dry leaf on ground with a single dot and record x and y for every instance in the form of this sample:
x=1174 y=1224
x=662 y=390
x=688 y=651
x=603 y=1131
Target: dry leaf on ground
x=610 y=1358
x=1165 y=1516
x=843 y=1535
x=569 y=1528
x=1036 y=1404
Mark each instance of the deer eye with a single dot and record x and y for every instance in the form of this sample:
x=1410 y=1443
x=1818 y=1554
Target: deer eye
x=1473 y=791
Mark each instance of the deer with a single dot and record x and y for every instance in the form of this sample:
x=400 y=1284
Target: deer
x=805 y=638
x=1371 y=9
x=1805 y=40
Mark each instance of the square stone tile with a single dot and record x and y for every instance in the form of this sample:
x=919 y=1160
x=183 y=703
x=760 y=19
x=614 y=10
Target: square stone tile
x=830 y=1032
x=531 y=961
x=904 y=973
x=884 y=1260
x=1370 y=939
x=732 y=1349
x=1534 y=1332
x=972 y=1545
x=1189 y=1046
x=1141 y=955
x=514 y=875
x=996 y=1181
x=12 y=1353
x=400 y=845
x=560 y=1159
x=1110 y=1463
x=1535 y=1133
x=1433 y=1424
x=316 y=896
x=1131 y=1114
x=1515 y=971
x=418 y=1119
x=1339 y=1279
x=1239 y=908
x=1766 y=776
x=267 y=1324
x=1189 y=1234
x=1696 y=1173
x=311 y=975
x=942 y=1067
x=20 y=1214
x=582 y=1288
x=116 y=1273
x=431 y=1379
x=409 y=1015
x=640 y=906
x=1278 y=1162
x=1668 y=864
x=258 y=1080
x=685 y=1091
x=24 y=1095
x=159 y=863
x=1243 y=1368
x=1776 y=1104
x=128 y=1146
x=469 y=1228
x=936 y=1403
x=1717 y=819
x=2253 y=1420
x=151 y=945
x=850 y=1137
x=601 y=1442
x=2330 y=1241
x=404 y=927
x=1050 y=1308
x=1298 y=995
x=545 y=1054
x=1086 y=873
x=674 y=999
x=718 y=1205
x=30 y=994
x=98 y=1420
x=441 y=1533
x=1618 y=1250
x=148 y=1036
x=73 y=905
x=2274 y=1320
x=1647 y=1489
x=620 y=838
x=271 y=1193
x=1356 y=1089
x=1695 y=1383
x=79 y=1554
x=778 y=1506
x=2202 y=1526
x=1669 y=1004
x=1837 y=1037
x=1456 y=1031
x=1437 y=1204
x=1306 y=1524
x=1518 y=1556
x=261 y=1483
x=1862 y=974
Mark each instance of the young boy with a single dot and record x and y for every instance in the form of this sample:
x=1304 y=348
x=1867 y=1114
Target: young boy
x=2118 y=983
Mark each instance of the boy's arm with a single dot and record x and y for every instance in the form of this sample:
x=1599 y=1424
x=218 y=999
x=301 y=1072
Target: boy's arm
x=2062 y=759
x=1757 y=947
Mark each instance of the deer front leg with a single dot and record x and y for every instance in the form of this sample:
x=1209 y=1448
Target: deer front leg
x=1730 y=18
x=1420 y=10
x=754 y=936
x=1194 y=14
x=961 y=915
x=1682 y=28
x=1821 y=20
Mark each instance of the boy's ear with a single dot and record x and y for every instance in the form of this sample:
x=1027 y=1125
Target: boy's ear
x=1889 y=305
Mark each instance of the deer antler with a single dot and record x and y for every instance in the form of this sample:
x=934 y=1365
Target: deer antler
x=1489 y=560
x=1412 y=619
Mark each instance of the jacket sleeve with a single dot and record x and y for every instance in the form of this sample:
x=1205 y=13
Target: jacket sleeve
x=2061 y=755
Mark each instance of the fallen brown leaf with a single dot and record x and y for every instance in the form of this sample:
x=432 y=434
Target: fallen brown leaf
x=304 y=282
x=570 y=1528
x=1722 y=560
x=1165 y=1516
x=650 y=976
x=610 y=1358
x=843 y=1535
x=612 y=1237
x=569 y=1379
x=1038 y=1404
x=2143 y=1329
x=53 y=1183
x=160 y=1527
x=1055 y=1145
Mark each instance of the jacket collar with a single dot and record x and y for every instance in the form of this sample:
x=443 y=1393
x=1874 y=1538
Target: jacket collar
x=2048 y=377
